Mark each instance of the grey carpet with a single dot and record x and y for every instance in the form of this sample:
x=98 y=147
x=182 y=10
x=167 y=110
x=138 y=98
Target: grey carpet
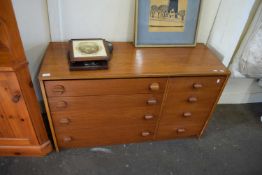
x=231 y=145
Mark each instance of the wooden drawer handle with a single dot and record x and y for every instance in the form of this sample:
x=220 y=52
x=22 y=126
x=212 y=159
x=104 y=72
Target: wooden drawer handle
x=187 y=114
x=67 y=139
x=181 y=130
x=145 y=133
x=197 y=85
x=154 y=87
x=61 y=104
x=16 y=97
x=148 y=117
x=152 y=101
x=59 y=89
x=64 y=121
x=192 y=99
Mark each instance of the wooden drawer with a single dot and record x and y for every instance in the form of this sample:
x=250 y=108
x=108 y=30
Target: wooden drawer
x=104 y=136
x=108 y=117
x=186 y=116
x=186 y=104
x=204 y=86
x=105 y=87
x=176 y=131
x=105 y=104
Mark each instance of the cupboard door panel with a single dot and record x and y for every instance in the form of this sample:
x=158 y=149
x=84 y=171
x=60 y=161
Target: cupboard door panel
x=14 y=118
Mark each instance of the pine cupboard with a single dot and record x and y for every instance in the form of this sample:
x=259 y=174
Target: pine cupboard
x=22 y=131
x=146 y=94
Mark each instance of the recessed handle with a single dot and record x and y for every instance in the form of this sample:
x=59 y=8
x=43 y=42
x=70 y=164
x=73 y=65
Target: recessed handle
x=197 y=85
x=154 y=87
x=59 y=89
x=64 y=121
x=148 y=117
x=187 y=114
x=181 y=130
x=152 y=101
x=192 y=99
x=145 y=133
x=16 y=97
x=67 y=139
x=61 y=104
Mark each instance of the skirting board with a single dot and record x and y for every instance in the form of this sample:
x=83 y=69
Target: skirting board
x=241 y=90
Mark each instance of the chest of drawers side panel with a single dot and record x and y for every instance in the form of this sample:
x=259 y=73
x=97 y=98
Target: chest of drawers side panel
x=214 y=105
x=48 y=112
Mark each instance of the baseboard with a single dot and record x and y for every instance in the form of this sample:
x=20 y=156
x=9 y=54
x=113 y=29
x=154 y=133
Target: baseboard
x=39 y=150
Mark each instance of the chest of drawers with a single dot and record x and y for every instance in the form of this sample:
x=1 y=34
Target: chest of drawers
x=147 y=94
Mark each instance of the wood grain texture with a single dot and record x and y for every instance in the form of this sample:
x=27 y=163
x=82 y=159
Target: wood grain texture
x=146 y=94
x=71 y=88
x=79 y=137
x=11 y=48
x=32 y=150
x=106 y=103
x=130 y=62
x=173 y=131
x=181 y=89
x=22 y=131
x=14 y=121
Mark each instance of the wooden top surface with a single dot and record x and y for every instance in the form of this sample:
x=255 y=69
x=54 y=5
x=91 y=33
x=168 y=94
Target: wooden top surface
x=130 y=62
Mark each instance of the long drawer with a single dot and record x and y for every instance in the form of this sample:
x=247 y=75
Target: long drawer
x=109 y=117
x=104 y=136
x=105 y=104
x=69 y=113
x=105 y=87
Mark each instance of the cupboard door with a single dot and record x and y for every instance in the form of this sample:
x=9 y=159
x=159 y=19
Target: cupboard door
x=15 y=124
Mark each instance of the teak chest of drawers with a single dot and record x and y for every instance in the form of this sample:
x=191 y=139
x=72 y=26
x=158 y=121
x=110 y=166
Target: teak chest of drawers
x=147 y=94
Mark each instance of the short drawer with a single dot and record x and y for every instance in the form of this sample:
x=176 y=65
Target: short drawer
x=107 y=104
x=105 y=87
x=204 y=86
x=176 y=131
x=104 y=136
x=185 y=116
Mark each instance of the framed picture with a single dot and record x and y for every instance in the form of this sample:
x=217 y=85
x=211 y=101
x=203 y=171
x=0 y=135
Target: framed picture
x=166 y=23
x=88 y=50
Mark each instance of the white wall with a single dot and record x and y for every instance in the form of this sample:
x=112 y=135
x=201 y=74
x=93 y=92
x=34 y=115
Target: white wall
x=207 y=16
x=229 y=25
x=109 y=19
x=32 y=19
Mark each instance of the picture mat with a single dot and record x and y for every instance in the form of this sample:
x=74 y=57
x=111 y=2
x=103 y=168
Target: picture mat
x=78 y=54
x=146 y=38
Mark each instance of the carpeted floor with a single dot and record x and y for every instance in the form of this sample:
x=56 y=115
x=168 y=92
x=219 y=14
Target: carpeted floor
x=231 y=145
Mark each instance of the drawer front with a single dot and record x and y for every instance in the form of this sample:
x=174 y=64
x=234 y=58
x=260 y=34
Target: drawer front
x=176 y=131
x=104 y=104
x=109 y=117
x=186 y=104
x=204 y=86
x=104 y=87
x=104 y=136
